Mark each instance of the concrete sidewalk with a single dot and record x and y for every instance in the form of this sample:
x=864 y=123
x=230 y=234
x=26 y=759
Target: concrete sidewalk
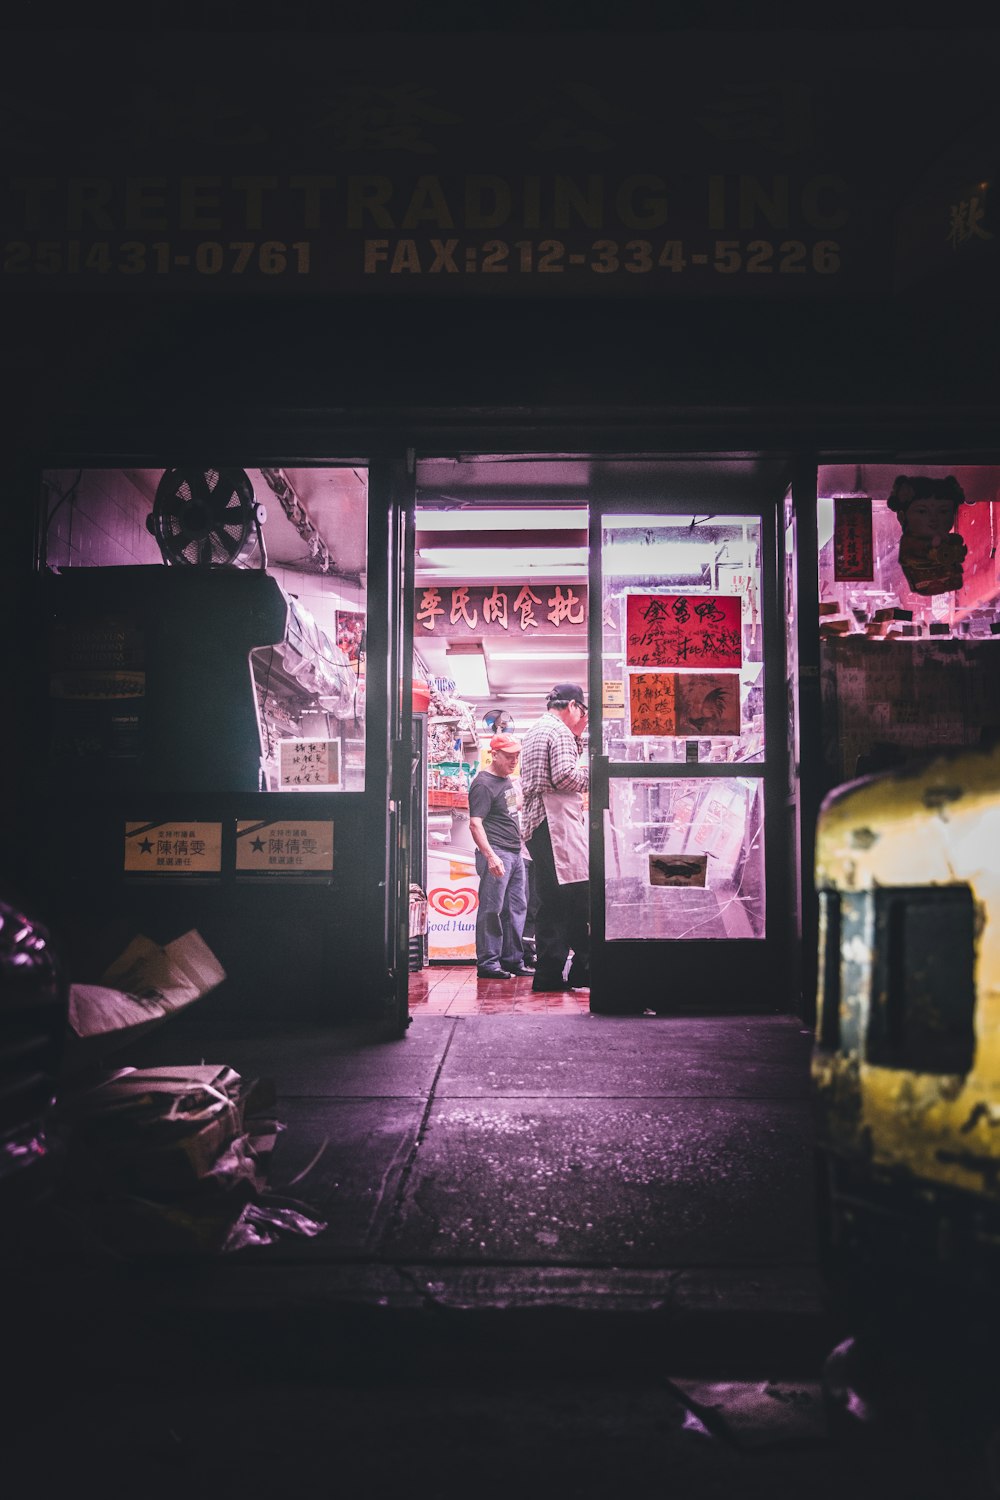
x=619 y=1174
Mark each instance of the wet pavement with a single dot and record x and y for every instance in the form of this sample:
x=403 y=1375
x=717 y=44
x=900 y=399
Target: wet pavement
x=572 y=1255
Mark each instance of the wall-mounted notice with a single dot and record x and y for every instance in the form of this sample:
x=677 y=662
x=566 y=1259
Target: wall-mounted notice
x=295 y=847
x=684 y=630
x=308 y=765
x=177 y=848
x=853 y=554
x=688 y=704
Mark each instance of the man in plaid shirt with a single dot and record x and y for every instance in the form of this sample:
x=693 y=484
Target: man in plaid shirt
x=555 y=831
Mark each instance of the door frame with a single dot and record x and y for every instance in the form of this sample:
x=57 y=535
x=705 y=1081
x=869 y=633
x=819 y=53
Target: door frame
x=628 y=976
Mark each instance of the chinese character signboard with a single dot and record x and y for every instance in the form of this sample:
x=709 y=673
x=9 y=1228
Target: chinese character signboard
x=512 y=609
x=308 y=765
x=182 y=848
x=688 y=704
x=291 y=848
x=852 y=539
x=684 y=630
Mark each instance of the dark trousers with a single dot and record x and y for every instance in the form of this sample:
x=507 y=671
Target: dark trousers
x=562 y=921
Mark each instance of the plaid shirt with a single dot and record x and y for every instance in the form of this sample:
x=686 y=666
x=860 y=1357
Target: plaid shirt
x=550 y=754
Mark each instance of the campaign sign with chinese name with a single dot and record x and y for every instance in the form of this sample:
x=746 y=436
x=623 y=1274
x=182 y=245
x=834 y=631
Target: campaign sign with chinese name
x=308 y=765
x=295 y=847
x=178 y=848
x=692 y=705
x=853 y=556
x=499 y=609
x=684 y=630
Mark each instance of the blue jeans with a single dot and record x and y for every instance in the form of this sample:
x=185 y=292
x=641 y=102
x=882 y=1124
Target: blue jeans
x=503 y=901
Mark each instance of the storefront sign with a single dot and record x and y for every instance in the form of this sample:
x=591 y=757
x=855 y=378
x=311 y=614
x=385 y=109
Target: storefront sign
x=513 y=609
x=296 y=847
x=706 y=704
x=308 y=765
x=684 y=630
x=852 y=539
x=180 y=848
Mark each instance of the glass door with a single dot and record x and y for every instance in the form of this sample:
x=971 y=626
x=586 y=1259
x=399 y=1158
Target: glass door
x=687 y=887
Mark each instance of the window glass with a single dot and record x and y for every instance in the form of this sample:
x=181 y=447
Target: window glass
x=682 y=647
x=236 y=622
x=684 y=859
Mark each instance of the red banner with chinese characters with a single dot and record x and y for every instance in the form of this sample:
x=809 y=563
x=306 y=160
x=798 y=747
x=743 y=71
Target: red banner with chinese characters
x=498 y=609
x=695 y=705
x=684 y=630
x=852 y=539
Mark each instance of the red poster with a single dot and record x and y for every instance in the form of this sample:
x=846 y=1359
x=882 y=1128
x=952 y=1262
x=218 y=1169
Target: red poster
x=684 y=630
x=692 y=705
x=852 y=539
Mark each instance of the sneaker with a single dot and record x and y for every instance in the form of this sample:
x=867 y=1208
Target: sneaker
x=494 y=974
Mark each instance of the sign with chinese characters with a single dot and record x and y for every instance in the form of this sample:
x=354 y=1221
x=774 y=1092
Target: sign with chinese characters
x=684 y=630
x=852 y=539
x=513 y=609
x=181 y=848
x=691 y=704
x=308 y=765
x=292 y=848
x=287 y=848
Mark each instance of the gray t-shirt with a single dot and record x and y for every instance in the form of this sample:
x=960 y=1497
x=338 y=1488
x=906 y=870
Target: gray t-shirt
x=494 y=799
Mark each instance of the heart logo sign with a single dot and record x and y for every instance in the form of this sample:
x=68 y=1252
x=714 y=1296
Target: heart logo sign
x=453 y=903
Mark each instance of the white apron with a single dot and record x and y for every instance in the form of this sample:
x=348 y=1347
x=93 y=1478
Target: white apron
x=568 y=831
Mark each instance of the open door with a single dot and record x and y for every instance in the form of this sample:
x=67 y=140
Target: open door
x=403 y=755
x=689 y=882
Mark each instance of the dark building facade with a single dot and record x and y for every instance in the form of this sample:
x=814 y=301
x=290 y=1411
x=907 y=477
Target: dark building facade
x=713 y=289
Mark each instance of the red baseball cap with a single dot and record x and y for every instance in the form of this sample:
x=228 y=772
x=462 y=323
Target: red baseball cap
x=507 y=743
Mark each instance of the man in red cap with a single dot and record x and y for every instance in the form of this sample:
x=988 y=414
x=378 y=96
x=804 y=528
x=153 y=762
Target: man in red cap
x=503 y=883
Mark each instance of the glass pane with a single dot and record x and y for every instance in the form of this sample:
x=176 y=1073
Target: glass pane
x=684 y=859
x=303 y=685
x=682 y=647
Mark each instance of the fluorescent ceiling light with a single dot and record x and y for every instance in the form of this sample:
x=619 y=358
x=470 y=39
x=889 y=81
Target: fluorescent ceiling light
x=528 y=654
x=509 y=560
x=500 y=520
x=669 y=560
x=467 y=669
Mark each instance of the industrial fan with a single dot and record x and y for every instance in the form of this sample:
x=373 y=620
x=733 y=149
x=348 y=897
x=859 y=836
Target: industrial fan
x=498 y=720
x=208 y=518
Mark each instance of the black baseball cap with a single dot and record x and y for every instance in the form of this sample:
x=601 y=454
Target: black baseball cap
x=565 y=693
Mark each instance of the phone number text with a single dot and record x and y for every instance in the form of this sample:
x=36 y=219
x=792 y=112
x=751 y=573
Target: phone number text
x=159 y=258
x=602 y=257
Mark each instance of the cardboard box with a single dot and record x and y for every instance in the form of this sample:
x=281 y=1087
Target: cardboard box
x=144 y=986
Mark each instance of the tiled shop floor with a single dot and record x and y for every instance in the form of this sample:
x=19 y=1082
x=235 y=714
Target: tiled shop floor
x=454 y=990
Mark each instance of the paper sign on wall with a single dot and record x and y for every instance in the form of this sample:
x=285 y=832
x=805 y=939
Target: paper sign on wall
x=308 y=765
x=179 y=848
x=684 y=630
x=294 y=847
x=693 y=704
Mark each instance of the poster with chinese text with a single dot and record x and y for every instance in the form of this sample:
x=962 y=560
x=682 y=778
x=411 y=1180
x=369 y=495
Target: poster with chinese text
x=684 y=630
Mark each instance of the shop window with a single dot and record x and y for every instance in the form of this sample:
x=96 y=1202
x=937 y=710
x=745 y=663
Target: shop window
x=269 y=676
x=887 y=571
